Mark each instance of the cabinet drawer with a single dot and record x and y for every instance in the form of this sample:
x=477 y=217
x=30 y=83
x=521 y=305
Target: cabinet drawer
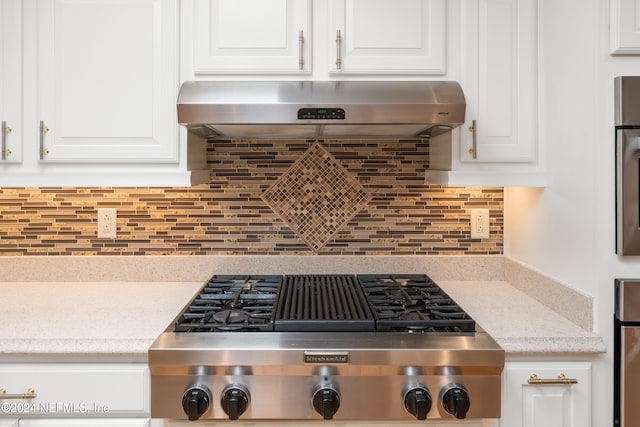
x=86 y=390
x=114 y=422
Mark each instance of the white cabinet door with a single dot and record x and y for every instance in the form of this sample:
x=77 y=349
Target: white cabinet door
x=11 y=80
x=106 y=80
x=403 y=37
x=115 y=422
x=381 y=36
x=76 y=390
x=562 y=405
x=625 y=26
x=250 y=36
x=499 y=79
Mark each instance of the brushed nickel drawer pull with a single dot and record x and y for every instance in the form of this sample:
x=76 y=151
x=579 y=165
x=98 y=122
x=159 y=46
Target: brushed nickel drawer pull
x=29 y=394
x=338 y=48
x=5 y=130
x=474 y=148
x=561 y=380
x=301 y=52
x=43 y=129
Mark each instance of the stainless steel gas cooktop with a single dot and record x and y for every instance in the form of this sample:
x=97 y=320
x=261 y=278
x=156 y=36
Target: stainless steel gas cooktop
x=341 y=347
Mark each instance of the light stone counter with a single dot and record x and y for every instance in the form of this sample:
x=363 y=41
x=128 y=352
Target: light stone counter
x=110 y=320
x=115 y=307
x=519 y=323
x=120 y=320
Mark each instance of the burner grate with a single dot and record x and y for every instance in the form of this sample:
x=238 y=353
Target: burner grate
x=413 y=303
x=323 y=303
x=328 y=303
x=232 y=303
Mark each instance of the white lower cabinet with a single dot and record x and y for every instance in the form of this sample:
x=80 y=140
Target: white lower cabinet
x=251 y=423
x=75 y=394
x=91 y=422
x=553 y=401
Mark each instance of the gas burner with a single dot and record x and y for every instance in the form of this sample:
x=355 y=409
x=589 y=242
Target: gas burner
x=413 y=302
x=232 y=303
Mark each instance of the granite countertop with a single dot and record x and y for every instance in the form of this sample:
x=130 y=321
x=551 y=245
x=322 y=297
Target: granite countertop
x=120 y=320
x=113 y=320
x=519 y=323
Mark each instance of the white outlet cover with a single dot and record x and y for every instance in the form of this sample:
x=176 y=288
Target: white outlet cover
x=107 y=223
x=480 y=223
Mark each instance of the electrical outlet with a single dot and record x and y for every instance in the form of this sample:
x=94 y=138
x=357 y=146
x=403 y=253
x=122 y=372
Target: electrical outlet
x=107 y=223
x=479 y=223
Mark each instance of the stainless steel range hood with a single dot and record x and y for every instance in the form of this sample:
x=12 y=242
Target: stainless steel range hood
x=320 y=109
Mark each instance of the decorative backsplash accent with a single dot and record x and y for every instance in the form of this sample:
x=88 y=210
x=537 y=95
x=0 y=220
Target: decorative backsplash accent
x=405 y=216
x=316 y=197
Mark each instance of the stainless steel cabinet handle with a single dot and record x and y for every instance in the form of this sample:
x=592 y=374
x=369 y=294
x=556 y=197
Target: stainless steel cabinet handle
x=5 y=130
x=29 y=394
x=301 y=52
x=43 y=130
x=561 y=380
x=338 y=55
x=474 y=147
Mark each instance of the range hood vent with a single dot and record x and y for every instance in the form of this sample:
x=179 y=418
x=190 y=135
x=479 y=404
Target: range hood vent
x=320 y=109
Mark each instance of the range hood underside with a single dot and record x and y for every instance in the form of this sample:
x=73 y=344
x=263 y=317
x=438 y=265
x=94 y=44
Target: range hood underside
x=311 y=131
x=320 y=110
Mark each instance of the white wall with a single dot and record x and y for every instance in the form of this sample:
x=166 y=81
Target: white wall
x=552 y=228
x=567 y=229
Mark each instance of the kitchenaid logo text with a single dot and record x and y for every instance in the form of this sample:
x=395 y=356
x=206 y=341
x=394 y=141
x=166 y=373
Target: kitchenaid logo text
x=326 y=357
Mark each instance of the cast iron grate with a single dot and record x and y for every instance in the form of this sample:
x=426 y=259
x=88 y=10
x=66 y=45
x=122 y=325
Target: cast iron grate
x=323 y=303
x=232 y=303
x=413 y=303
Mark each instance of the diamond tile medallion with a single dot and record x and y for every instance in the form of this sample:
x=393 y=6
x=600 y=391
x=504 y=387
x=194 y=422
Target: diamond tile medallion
x=316 y=197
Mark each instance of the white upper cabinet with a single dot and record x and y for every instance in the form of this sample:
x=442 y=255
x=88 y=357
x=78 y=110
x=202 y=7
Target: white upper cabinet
x=88 y=89
x=106 y=80
x=251 y=36
x=316 y=40
x=11 y=81
x=498 y=144
x=381 y=36
x=499 y=76
x=625 y=27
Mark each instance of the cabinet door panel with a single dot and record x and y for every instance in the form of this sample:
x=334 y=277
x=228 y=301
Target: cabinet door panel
x=625 y=26
x=251 y=36
x=378 y=36
x=499 y=63
x=96 y=390
x=107 y=80
x=546 y=406
x=11 y=79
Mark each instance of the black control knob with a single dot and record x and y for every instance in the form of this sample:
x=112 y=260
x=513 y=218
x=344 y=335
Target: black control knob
x=417 y=402
x=234 y=401
x=455 y=401
x=195 y=402
x=326 y=402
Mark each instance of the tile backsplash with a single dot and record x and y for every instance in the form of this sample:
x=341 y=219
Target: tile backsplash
x=228 y=216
